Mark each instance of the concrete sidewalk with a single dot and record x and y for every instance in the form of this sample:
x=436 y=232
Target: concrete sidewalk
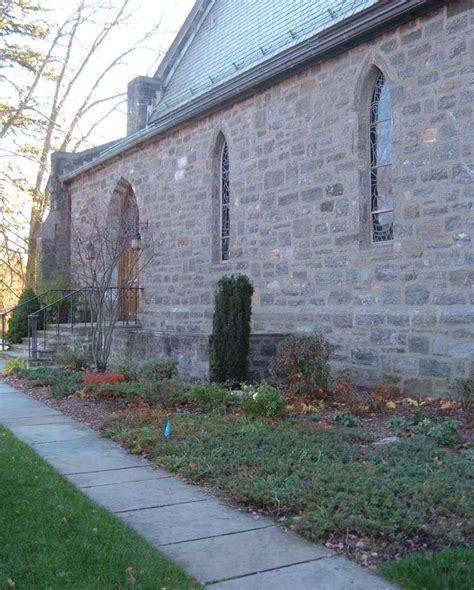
x=219 y=545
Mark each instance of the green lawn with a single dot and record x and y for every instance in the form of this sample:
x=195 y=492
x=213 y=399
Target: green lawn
x=331 y=485
x=53 y=537
x=452 y=569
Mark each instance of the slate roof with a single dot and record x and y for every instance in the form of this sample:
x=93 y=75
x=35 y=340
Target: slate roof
x=232 y=36
x=226 y=48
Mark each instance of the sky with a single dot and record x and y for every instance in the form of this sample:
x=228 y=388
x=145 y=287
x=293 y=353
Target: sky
x=170 y=14
x=145 y=14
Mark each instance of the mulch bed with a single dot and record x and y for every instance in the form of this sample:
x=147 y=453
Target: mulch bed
x=95 y=411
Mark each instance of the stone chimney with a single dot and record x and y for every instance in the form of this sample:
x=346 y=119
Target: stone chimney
x=142 y=93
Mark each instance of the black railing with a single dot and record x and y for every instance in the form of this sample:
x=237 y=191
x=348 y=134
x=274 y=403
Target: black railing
x=5 y=314
x=81 y=307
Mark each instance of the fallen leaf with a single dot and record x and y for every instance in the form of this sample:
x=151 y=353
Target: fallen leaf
x=447 y=404
x=391 y=405
x=410 y=401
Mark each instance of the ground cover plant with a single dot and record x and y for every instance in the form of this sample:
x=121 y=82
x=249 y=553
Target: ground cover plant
x=53 y=536
x=63 y=381
x=371 y=473
x=330 y=484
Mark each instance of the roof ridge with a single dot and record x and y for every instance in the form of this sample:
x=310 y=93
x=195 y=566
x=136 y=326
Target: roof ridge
x=183 y=39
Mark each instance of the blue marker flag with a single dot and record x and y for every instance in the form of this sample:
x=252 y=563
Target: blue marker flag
x=167 y=431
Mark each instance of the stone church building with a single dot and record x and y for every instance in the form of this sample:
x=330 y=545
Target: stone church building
x=324 y=148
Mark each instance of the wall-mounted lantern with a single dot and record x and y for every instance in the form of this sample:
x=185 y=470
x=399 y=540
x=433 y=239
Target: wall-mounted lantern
x=90 y=251
x=136 y=243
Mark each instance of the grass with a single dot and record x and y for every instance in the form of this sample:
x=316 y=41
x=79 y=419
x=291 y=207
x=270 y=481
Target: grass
x=53 y=536
x=399 y=497
x=452 y=569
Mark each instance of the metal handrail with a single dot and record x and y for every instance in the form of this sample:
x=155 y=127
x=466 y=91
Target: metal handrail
x=80 y=311
x=4 y=314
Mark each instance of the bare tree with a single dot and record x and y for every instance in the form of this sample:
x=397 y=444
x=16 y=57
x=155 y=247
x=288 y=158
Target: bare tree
x=107 y=265
x=72 y=68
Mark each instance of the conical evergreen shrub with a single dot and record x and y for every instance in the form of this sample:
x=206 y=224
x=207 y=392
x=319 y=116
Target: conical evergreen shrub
x=231 y=329
x=18 y=321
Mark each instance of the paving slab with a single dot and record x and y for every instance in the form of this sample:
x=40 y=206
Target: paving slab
x=87 y=454
x=240 y=554
x=334 y=573
x=60 y=432
x=32 y=420
x=127 y=496
x=21 y=410
x=114 y=476
x=219 y=545
x=5 y=388
x=194 y=520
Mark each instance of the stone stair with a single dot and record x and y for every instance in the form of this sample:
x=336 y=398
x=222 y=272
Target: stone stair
x=66 y=337
x=46 y=353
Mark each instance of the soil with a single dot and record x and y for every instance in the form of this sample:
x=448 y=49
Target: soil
x=374 y=421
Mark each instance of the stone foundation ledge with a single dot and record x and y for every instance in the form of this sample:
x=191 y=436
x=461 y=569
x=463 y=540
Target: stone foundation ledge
x=191 y=352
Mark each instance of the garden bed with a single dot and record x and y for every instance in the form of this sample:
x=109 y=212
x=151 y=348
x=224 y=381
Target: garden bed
x=373 y=475
x=93 y=412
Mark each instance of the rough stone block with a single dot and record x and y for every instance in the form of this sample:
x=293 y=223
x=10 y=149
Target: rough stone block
x=434 y=368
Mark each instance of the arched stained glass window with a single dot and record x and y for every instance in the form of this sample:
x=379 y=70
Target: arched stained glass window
x=224 y=203
x=380 y=141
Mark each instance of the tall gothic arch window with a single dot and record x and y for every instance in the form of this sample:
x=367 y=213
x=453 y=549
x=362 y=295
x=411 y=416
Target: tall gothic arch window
x=380 y=145
x=224 y=189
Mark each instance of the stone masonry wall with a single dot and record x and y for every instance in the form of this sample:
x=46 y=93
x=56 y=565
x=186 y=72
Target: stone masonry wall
x=399 y=313
x=190 y=352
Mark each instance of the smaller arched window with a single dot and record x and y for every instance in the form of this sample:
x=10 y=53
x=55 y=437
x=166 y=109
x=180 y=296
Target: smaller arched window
x=224 y=189
x=380 y=143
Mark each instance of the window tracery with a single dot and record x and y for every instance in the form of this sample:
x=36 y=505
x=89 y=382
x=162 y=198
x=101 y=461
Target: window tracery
x=380 y=146
x=224 y=203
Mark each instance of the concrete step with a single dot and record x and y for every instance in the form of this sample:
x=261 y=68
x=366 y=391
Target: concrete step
x=40 y=362
x=13 y=354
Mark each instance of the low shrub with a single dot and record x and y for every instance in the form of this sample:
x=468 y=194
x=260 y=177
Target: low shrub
x=211 y=397
x=91 y=378
x=444 y=433
x=76 y=358
x=157 y=370
x=129 y=367
x=149 y=370
x=13 y=366
x=262 y=400
x=463 y=389
x=301 y=365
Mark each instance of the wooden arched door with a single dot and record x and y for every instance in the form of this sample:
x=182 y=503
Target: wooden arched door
x=128 y=257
